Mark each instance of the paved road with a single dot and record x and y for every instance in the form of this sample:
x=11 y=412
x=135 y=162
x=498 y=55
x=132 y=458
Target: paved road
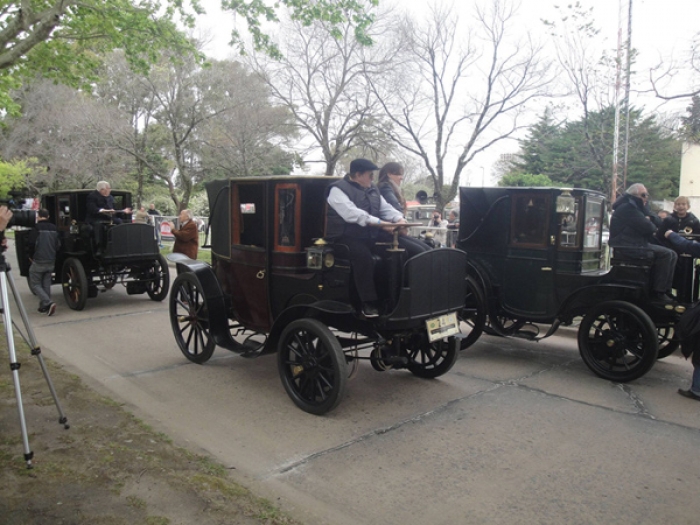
x=517 y=432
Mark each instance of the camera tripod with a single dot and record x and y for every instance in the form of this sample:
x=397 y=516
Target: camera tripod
x=5 y=278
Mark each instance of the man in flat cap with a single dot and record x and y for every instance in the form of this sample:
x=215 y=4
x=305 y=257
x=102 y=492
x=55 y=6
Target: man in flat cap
x=359 y=217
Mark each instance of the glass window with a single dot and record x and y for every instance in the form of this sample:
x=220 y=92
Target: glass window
x=529 y=218
x=593 y=223
x=569 y=226
x=286 y=203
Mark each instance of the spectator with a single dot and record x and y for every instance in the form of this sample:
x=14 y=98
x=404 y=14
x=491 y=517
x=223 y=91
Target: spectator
x=187 y=236
x=633 y=226
x=155 y=220
x=438 y=222
x=5 y=216
x=141 y=216
x=43 y=244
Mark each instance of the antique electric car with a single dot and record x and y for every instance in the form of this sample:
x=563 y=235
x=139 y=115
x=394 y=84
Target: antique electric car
x=275 y=286
x=89 y=261
x=536 y=258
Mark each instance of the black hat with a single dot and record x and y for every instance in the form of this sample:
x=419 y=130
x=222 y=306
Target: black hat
x=362 y=165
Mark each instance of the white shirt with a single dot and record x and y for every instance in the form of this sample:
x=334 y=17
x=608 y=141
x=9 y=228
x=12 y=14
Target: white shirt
x=341 y=203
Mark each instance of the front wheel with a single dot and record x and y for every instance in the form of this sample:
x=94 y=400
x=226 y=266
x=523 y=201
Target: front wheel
x=312 y=366
x=618 y=341
x=430 y=360
x=189 y=319
x=74 y=282
x=472 y=317
x=158 y=281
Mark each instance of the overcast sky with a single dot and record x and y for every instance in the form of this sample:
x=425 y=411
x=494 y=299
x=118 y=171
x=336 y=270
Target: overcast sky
x=662 y=31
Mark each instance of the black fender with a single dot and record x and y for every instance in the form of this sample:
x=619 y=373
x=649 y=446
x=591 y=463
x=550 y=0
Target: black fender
x=341 y=316
x=214 y=296
x=584 y=298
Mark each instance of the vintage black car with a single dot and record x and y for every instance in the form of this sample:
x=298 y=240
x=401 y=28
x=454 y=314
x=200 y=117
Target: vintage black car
x=275 y=286
x=536 y=258
x=89 y=260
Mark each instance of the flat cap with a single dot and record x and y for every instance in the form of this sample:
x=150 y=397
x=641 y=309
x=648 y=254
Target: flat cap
x=362 y=165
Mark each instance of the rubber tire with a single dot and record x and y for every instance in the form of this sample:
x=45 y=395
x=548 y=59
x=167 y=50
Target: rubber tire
x=189 y=319
x=161 y=267
x=667 y=345
x=308 y=354
x=435 y=360
x=612 y=329
x=473 y=314
x=74 y=283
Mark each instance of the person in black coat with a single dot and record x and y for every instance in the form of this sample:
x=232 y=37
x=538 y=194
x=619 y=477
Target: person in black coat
x=681 y=220
x=100 y=205
x=632 y=228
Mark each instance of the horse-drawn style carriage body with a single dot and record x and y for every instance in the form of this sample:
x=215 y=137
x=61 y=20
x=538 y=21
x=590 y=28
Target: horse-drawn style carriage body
x=536 y=258
x=89 y=260
x=274 y=286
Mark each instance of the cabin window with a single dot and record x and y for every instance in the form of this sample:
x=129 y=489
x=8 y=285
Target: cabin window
x=529 y=219
x=287 y=218
x=250 y=221
x=64 y=217
x=593 y=223
x=569 y=225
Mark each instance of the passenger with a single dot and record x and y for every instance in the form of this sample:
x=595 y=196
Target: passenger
x=100 y=205
x=187 y=237
x=43 y=244
x=389 y=185
x=633 y=225
x=662 y=214
x=356 y=216
x=681 y=220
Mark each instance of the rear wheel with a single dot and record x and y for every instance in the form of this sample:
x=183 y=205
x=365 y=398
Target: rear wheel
x=667 y=345
x=312 y=366
x=618 y=341
x=158 y=281
x=430 y=360
x=473 y=316
x=75 y=284
x=189 y=319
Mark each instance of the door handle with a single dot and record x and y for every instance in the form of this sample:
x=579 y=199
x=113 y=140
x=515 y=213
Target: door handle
x=546 y=269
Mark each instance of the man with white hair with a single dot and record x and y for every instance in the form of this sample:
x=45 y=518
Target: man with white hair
x=633 y=225
x=187 y=237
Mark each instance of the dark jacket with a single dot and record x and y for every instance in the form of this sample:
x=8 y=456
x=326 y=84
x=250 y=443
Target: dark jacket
x=678 y=224
x=43 y=242
x=683 y=245
x=96 y=202
x=388 y=193
x=366 y=199
x=632 y=223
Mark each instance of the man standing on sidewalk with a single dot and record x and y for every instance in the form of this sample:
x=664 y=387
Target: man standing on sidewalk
x=43 y=243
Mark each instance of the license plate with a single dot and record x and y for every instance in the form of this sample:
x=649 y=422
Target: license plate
x=443 y=326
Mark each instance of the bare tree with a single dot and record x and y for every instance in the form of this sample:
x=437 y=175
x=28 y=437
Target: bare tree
x=320 y=79
x=57 y=129
x=662 y=77
x=457 y=90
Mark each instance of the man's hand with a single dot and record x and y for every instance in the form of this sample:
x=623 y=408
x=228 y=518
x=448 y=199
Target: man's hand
x=5 y=216
x=668 y=233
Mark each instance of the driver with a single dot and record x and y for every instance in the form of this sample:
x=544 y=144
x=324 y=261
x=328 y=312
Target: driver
x=100 y=205
x=359 y=217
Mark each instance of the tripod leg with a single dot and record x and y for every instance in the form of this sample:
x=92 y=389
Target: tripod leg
x=36 y=349
x=14 y=366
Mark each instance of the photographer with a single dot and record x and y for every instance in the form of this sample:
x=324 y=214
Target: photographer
x=438 y=222
x=43 y=244
x=5 y=216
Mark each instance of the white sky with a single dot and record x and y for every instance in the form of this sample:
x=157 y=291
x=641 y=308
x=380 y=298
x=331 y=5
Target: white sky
x=662 y=30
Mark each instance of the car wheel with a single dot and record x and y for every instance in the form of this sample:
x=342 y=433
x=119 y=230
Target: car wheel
x=473 y=316
x=667 y=345
x=189 y=319
x=430 y=360
x=312 y=366
x=618 y=341
x=158 y=282
x=75 y=284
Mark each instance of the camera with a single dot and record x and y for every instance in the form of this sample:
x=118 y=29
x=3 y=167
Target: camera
x=20 y=217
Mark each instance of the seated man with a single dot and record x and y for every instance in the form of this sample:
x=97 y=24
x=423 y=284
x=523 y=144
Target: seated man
x=100 y=210
x=359 y=217
x=681 y=220
x=633 y=225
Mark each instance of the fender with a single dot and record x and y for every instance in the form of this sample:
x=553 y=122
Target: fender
x=582 y=299
x=215 y=299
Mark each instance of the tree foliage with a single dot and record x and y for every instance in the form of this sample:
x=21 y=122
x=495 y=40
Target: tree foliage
x=13 y=175
x=527 y=180
x=562 y=153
